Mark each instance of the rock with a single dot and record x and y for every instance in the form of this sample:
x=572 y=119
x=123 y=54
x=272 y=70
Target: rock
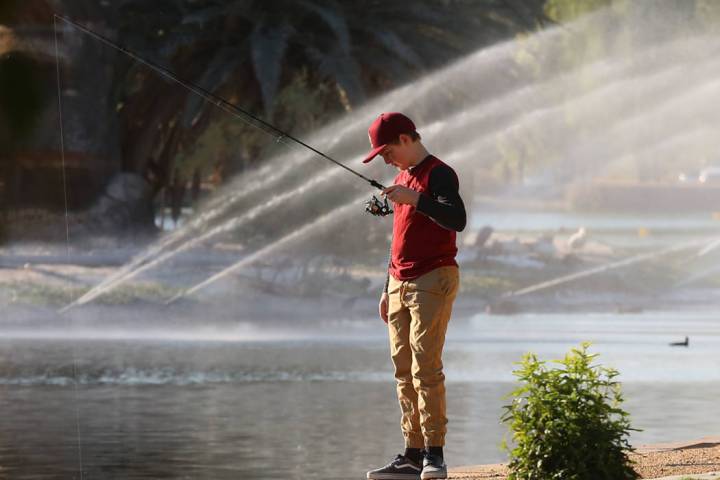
x=124 y=206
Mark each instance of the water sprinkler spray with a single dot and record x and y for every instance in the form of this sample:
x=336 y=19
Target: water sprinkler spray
x=373 y=206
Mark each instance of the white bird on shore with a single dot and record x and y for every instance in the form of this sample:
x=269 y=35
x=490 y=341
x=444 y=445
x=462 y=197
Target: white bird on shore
x=577 y=239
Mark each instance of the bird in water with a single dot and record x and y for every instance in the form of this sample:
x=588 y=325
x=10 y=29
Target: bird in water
x=681 y=344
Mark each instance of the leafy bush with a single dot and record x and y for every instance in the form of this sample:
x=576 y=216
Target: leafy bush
x=566 y=422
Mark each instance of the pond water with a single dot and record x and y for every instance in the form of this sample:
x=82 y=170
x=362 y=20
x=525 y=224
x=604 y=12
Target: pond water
x=317 y=402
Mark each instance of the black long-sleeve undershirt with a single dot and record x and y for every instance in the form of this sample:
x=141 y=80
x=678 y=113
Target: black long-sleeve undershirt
x=443 y=205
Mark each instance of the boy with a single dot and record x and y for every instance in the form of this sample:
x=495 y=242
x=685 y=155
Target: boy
x=419 y=292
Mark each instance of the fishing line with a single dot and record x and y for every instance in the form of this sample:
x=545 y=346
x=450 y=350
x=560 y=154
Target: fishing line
x=67 y=244
x=373 y=206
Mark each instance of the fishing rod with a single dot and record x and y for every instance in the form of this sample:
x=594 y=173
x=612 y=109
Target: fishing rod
x=373 y=206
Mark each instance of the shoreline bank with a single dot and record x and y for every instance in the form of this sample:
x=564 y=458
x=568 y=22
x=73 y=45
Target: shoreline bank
x=653 y=461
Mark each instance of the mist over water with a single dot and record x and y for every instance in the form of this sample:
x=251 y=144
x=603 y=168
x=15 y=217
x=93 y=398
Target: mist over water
x=643 y=104
x=217 y=404
x=270 y=358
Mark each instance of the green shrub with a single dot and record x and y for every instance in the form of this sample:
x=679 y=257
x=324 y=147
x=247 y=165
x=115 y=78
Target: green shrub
x=566 y=422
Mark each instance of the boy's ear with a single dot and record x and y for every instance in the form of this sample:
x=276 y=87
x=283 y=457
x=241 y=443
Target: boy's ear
x=404 y=139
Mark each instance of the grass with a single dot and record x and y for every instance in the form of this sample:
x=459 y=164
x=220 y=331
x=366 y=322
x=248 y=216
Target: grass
x=52 y=295
x=472 y=282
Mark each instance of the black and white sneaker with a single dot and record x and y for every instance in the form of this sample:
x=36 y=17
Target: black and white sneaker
x=433 y=467
x=401 y=468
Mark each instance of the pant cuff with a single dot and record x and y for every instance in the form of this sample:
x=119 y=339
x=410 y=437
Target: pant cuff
x=435 y=441
x=414 y=441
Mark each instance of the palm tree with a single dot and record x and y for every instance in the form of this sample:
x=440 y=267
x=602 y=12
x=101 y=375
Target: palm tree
x=249 y=50
x=294 y=62
x=359 y=46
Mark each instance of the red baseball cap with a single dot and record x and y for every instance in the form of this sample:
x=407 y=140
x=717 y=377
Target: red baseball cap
x=386 y=129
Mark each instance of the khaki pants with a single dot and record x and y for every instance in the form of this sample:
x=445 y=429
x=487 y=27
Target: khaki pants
x=418 y=315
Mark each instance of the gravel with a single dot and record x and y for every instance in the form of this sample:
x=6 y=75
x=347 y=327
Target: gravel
x=649 y=464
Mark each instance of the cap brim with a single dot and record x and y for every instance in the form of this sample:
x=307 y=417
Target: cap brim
x=373 y=153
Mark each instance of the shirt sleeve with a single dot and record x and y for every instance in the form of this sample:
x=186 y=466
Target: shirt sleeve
x=444 y=205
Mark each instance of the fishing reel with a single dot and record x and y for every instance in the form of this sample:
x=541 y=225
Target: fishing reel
x=375 y=207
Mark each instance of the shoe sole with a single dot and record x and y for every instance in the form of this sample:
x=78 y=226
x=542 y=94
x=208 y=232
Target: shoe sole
x=433 y=476
x=393 y=476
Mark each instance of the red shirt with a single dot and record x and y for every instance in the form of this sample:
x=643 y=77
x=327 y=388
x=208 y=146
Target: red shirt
x=420 y=244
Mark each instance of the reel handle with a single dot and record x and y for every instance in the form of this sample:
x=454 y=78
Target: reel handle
x=375 y=207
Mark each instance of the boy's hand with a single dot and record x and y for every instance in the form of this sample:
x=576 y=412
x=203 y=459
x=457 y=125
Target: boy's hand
x=383 y=307
x=402 y=195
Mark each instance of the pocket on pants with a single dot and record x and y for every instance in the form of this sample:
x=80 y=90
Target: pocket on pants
x=394 y=286
x=441 y=281
x=449 y=281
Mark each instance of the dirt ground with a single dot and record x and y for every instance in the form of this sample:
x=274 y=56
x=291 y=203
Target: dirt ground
x=651 y=461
